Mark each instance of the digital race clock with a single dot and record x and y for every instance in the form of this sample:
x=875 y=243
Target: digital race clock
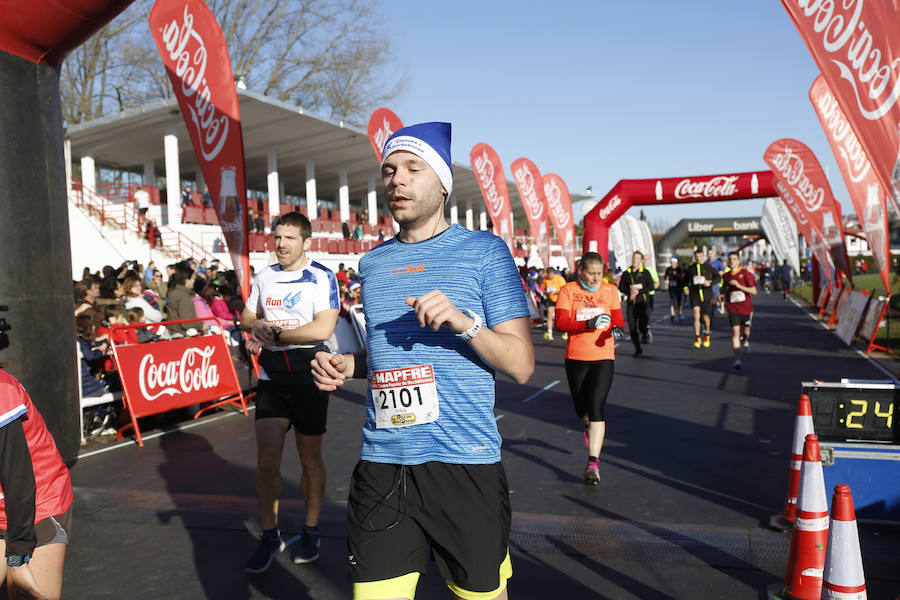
x=853 y=410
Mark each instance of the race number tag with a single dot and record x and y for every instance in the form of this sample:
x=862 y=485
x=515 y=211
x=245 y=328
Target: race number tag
x=736 y=296
x=404 y=397
x=699 y=280
x=589 y=312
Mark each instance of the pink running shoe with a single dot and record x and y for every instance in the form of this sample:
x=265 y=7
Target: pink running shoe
x=592 y=473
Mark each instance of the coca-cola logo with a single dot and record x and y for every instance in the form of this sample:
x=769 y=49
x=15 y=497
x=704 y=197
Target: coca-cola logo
x=868 y=68
x=383 y=133
x=485 y=169
x=554 y=200
x=842 y=136
x=612 y=205
x=791 y=203
x=716 y=187
x=188 y=53
x=525 y=182
x=791 y=167
x=194 y=371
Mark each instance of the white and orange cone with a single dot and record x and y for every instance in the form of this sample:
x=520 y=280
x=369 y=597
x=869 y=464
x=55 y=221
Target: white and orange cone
x=809 y=538
x=844 y=578
x=803 y=426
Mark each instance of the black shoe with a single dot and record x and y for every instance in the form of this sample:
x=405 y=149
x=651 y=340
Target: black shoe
x=638 y=353
x=267 y=550
x=306 y=549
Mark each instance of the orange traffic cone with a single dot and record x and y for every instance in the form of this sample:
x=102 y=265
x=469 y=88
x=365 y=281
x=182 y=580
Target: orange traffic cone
x=809 y=539
x=803 y=426
x=844 y=579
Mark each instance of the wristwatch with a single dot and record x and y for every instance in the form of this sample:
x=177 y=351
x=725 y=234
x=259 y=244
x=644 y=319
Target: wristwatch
x=17 y=560
x=276 y=333
x=472 y=331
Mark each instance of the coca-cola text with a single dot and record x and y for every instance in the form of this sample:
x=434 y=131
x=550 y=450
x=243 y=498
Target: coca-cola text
x=193 y=372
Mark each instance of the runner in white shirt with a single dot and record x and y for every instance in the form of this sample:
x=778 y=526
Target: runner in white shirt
x=293 y=308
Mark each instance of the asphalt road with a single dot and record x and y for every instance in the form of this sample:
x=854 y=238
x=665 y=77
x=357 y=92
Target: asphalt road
x=695 y=462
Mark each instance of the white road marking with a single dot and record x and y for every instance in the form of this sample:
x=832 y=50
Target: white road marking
x=541 y=391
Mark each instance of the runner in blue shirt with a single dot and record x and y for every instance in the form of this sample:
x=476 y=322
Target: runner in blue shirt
x=445 y=309
x=719 y=266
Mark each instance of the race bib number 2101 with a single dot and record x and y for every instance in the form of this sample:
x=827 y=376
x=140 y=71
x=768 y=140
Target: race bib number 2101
x=404 y=397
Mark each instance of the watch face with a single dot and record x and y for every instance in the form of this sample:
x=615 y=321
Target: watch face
x=17 y=560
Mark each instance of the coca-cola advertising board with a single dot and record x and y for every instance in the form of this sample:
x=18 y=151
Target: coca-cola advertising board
x=669 y=190
x=383 y=123
x=795 y=166
x=161 y=376
x=489 y=171
x=856 y=45
x=531 y=190
x=193 y=51
x=559 y=203
x=868 y=195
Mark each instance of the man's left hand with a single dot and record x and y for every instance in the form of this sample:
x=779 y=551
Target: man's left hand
x=435 y=310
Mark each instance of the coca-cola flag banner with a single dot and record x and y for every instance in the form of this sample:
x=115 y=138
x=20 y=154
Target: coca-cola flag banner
x=795 y=165
x=382 y=125
x=868 y=195
x=670 y=190
x=163 y=376
x=806 y=228
x=781 y=231
x=492 y=182
x=856 y=45
x=194 y=54
x=531 y=191
x=560 y=205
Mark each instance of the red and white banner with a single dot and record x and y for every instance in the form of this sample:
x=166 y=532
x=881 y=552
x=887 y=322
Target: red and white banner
x=806 y=228
x=161 y=376
x=868 y=195
x=489 y=171
x=194 y=54
x=560 y=205
x=531 y=190
x=856 y=45
x=672 y=190
x=382 y=124
x=798 y=169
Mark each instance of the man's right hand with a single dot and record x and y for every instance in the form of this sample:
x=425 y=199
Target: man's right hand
x=22 y=585
x=329 y=370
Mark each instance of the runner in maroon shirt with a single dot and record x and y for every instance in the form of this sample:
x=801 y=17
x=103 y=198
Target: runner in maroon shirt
x=739 y=286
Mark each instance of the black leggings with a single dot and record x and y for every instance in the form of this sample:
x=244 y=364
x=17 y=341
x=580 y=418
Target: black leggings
x=589 y=383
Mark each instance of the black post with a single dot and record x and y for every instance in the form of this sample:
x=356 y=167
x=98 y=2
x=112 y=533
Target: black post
x=35 y=252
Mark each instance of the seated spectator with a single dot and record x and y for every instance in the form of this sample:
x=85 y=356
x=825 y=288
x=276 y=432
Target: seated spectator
x=341 y=274
x=134 y=297
x=260 y=224
x=380 y=235
x=203 y=308
x=159 y=287
x=352 y=298
x=149 y=271
x=345 y=228
x=207 y=199
x=180 y=304
x=111 y=291
x=187 y=195
x=86 y=293
x=144 y=334
x=92 y=384
x=115 y=315
x=358 y=232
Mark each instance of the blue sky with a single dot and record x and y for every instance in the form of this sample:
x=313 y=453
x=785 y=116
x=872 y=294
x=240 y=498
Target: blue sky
x=607 y=90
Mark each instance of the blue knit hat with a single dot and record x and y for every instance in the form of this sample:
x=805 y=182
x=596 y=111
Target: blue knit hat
x=428 y=141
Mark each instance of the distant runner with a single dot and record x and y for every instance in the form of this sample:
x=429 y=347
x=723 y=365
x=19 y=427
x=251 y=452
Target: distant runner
x=698 y=281
x=589 y=310
x=553 y=282
x=674 y=276
x=787 y=277
x=636 y=283
x=739 y=286
x=719 y=266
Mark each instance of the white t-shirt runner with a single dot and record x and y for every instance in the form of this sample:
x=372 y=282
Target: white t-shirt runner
x=289 y=299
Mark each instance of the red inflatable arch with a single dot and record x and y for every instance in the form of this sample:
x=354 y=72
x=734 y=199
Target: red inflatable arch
x=671 y=190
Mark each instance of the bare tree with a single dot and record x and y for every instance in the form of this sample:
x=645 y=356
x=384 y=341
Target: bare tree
x=325 y=55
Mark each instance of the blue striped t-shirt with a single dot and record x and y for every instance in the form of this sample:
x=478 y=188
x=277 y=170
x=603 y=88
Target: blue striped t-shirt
x=475 y=270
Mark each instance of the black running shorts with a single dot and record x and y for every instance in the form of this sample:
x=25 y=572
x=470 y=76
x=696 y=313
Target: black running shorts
x=737 y=319
x=589 y=383
x=400 y=515
x=705 y=303
x=52 y=530
x=305 y=406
